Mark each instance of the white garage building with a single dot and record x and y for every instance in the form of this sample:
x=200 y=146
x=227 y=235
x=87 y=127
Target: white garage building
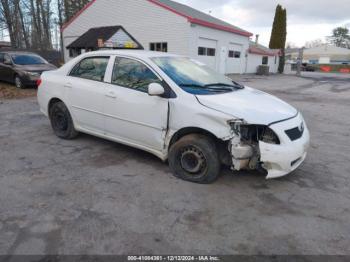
x=168 y=26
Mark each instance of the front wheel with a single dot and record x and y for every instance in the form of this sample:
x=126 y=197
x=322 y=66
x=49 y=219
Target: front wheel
x=19 y=83
x=195 y=158
x=61 y=121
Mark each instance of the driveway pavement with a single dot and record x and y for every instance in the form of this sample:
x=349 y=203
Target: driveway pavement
x=91 y=196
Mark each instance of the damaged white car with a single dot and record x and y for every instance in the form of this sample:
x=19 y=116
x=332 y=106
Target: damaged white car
x=177 y=109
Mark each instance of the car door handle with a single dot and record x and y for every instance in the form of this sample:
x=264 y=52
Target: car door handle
x=68 y=85
x=111 y=95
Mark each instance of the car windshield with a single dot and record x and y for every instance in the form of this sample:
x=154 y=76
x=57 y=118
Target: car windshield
x=195 y=77
x=28 y=60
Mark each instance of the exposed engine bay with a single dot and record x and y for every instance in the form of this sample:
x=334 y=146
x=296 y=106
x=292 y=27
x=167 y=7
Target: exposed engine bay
x=244 y=146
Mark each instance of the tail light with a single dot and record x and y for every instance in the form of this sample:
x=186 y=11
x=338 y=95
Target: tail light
x=38 y=82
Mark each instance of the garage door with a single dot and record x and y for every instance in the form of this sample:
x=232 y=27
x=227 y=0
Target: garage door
x=234 y=63
x=207 y=52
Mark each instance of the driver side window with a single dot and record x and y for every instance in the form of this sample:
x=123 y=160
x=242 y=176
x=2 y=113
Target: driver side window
x=133 y=74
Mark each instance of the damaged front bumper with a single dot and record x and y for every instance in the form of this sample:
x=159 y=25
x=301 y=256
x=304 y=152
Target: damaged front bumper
x=280 y=160
x=278 y=153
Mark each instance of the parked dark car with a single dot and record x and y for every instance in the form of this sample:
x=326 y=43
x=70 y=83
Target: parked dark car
x=22 y=68
x=307 y=68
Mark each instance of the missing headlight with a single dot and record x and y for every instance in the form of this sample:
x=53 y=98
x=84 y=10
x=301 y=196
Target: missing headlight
x=256 y=133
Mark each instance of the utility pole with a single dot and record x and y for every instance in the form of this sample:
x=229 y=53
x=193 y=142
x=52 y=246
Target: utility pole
x=300 y=60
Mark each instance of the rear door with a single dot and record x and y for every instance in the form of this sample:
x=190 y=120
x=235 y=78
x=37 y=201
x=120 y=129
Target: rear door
x=85 y=91
x=2 y=55
x=6 y=71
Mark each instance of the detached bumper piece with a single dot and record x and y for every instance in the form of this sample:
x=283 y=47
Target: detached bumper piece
x=280 y=160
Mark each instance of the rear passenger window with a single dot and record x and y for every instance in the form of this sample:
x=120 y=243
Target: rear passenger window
x=2 y=57
x=92 y=68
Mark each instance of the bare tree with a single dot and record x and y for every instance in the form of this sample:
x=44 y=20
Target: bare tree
x=33 y=23
x=314 y=43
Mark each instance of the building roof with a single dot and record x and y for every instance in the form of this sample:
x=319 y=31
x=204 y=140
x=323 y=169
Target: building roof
x=193 y=16
x=315 y=53
x=258 y=49
x=197 y=17
x=90 y=38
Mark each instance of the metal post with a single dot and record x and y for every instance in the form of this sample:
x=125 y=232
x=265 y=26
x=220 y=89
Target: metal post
x=300 y=61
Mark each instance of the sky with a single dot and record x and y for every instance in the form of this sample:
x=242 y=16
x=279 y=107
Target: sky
x=307 y=19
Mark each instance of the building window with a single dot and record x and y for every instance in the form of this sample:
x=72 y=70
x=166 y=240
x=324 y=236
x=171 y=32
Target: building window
x=159 y=47
x=265 y=60
x=234 y=54
x=206 y=51
x=211 y=51
x=202 y=51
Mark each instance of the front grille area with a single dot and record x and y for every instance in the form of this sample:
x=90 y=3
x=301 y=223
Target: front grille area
x=295 y=133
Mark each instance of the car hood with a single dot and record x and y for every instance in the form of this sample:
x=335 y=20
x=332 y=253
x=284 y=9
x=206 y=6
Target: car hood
x=36 y=68
x=251 y=105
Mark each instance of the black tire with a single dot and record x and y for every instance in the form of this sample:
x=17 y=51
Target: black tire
x=195 y=158
x=61 y=121
x=18 y=82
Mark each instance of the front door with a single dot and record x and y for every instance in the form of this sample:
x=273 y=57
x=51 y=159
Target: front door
x=131 y=114
x=85 y=93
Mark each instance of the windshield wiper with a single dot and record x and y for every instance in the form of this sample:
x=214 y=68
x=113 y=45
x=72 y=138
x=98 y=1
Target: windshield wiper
x=191 y=85
x=237 y=86
x=207 y=87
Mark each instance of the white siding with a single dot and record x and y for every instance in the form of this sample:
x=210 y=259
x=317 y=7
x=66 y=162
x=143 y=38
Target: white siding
x=255 y=60
x=224 y=40
x=273 y=66
x=145 y=21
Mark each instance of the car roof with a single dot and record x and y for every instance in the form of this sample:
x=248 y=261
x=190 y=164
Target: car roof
x=18 y=53
x=134 y=53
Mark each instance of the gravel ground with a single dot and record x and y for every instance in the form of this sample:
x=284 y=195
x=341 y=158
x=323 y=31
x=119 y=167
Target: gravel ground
x=8 y=91
x=91 y=196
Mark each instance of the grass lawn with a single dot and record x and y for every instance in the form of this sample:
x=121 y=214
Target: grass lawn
x=8 y=91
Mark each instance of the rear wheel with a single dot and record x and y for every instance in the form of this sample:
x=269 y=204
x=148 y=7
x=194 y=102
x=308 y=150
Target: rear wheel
x=61 y=121
x=195 y=158
x=19 y=83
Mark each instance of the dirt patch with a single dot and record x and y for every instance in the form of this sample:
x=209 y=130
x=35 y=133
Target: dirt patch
x=8 y=91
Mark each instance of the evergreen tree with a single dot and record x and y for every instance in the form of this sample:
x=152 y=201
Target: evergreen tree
x=279 y=34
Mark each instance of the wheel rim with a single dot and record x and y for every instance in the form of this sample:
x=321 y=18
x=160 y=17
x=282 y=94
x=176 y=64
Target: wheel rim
x=192 y=160
x=59 y=120
x=18 y=82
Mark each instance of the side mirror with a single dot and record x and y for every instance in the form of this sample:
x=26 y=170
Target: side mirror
x=155 y=89
x=7 y=62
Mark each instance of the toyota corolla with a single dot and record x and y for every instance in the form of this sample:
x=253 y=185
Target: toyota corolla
x=177 y=109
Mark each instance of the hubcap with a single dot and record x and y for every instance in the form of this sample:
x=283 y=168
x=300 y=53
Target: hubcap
x=60 y=121
x=192 y=160
x=18 y=82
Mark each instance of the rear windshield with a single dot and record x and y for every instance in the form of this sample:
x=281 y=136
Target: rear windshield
x=28 y=60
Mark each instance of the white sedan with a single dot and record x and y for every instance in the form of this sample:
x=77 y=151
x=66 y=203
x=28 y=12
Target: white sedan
x=177 y=109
